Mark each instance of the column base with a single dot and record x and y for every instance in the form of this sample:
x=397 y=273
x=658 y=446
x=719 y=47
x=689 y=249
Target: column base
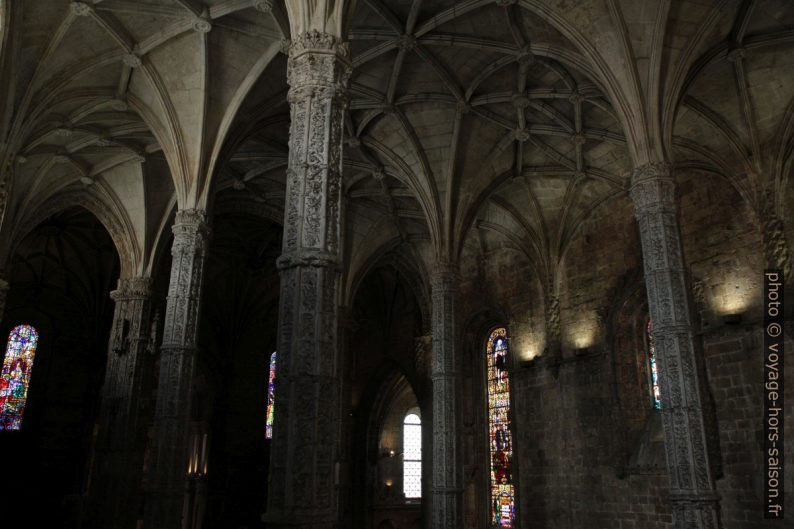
x=695 y=511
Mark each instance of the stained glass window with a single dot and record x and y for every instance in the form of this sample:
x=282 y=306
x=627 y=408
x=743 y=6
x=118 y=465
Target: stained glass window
x=15 y=377
x=656 y=394
x=503 y=510
x=270 y=397
x=412 y=456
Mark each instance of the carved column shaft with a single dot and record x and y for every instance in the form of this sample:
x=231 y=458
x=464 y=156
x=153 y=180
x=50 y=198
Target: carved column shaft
x=122 y=437
x=776 y=250
x=692 y=492
x=177 y=371
x=447 y=476
x=303 y=489
x=553 y=333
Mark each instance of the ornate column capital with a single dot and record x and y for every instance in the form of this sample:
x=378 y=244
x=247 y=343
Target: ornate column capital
x=191 y=230
x=445 y=276
x=653 y=187
x=319 y=65
x=132 y=288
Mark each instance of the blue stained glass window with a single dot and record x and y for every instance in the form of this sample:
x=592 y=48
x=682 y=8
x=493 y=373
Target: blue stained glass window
x=15 y=376
x=656 y=394
x=503 y=508
x=270 y=397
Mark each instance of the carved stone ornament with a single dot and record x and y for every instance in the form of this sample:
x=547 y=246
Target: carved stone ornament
x=81 y=9
x=202 y=25
x=177 y=368
x=265 y=6
x=306 y=434
x=447 y=471
x=120 y=441
x=132 y=60
x=692 y=491
x=521 y=135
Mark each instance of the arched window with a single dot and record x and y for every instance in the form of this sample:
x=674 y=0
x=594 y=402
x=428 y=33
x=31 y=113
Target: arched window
x=503 y=509
x=653 y=370
x=15 y=377
x=270 y=397
x=412 y=456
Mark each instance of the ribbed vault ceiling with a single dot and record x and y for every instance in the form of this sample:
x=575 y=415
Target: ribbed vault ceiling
x=470 y=123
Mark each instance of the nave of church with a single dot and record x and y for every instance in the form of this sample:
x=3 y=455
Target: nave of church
x=396 y=264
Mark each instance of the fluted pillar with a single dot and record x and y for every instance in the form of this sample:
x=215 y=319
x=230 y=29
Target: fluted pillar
x=116 y=489
x=303 y=484
x=695 y=504
x=447 y=474
x=177 y=370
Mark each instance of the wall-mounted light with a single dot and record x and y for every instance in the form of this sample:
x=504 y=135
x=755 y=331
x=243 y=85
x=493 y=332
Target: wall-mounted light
x=391 y=453
x=388 y=482
x=732 y=319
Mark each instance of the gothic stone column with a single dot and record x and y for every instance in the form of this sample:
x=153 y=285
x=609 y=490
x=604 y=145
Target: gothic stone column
x=122 y=436
x=177 y=366
x=303 y=490
x=692 y=493
x=447 y=492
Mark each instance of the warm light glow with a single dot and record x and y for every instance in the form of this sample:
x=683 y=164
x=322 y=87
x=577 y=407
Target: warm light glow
x=388 y=482
x=530 y=354
x=582 y=334
x=734 y=295
x=731 y=301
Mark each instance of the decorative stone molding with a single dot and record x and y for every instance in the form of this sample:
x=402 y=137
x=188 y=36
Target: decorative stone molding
x=81 y=9
x=553 y=326
x=520 y=100
x=447 y=471
x=692 y=491
x=307 y=433
x=525 y=57
x=132 y=60
x=578 y=139
x=177 y=369
x=505 y=3
x=122 y=431
x=316 y=41
x=521 y=135
x=776 y=249
x=265 y=6
x=379 y=173
x=122 y=237
x=202 y=25
x=406 y=42
x=735 y=54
